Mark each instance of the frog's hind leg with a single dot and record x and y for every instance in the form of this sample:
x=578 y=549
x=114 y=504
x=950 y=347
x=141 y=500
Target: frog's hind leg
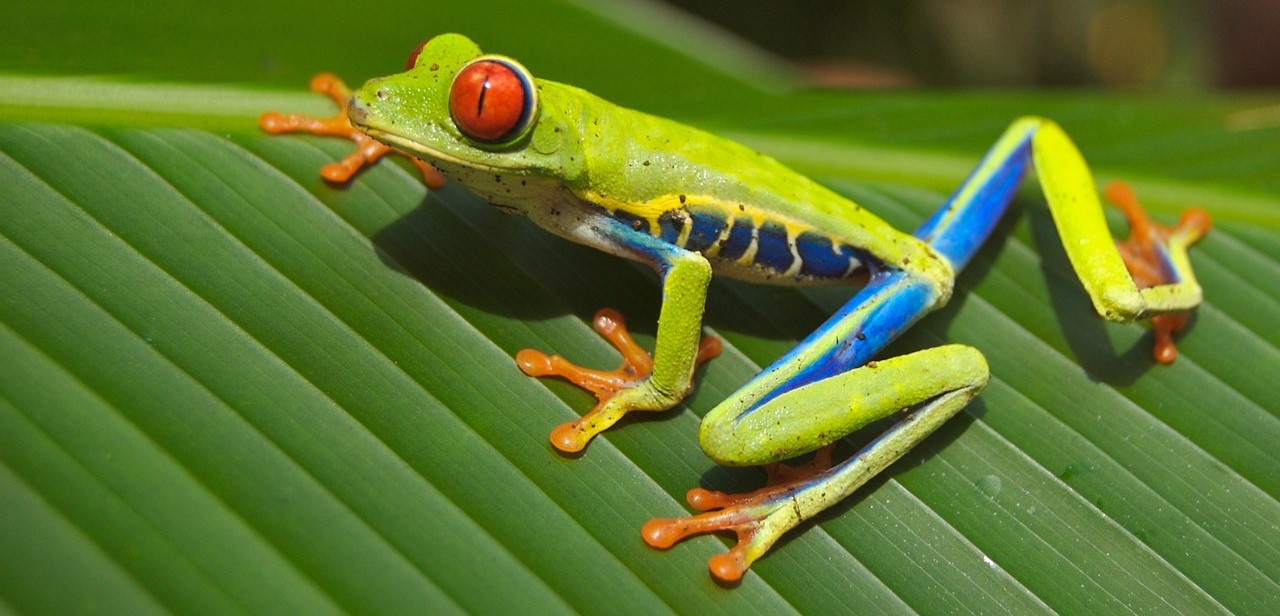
x=812 y=397
x=965 y=221
x=1148 y=276
x=827 y=386
x=1108 y=276
x=931 y=386
x=1156 y=255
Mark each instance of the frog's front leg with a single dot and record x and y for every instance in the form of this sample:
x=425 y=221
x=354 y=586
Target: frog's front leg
x=367 y=152
x=643 y=382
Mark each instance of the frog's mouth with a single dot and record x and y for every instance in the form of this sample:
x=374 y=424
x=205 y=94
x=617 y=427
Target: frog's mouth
x=431 y=155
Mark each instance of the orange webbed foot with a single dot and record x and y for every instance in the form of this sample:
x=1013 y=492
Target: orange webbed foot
x=1146 y=255
x=637 y=365
x=368 y=151
x=757 y=518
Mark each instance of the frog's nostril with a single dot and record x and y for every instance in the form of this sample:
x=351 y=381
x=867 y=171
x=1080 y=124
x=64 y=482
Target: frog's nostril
x=356 y=111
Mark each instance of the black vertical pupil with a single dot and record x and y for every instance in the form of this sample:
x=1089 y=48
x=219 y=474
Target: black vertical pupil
x=484 y=89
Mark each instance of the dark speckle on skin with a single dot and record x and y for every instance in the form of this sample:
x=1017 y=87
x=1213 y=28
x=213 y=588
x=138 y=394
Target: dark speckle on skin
x=435 y=67
x=682 y=197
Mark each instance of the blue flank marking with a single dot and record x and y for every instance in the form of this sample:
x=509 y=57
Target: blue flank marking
x=647 y=248
x=819 y=258
x=739 y=240
x=670 y=226
x=707 y=226
x=772 y=248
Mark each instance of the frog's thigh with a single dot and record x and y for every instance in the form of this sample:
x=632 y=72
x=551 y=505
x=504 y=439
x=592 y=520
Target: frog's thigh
x=932 y=385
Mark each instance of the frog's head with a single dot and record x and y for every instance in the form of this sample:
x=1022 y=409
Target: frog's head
x=461 y=109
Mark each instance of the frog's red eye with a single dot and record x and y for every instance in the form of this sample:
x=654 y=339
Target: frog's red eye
x=492 y=100
x=412 y=61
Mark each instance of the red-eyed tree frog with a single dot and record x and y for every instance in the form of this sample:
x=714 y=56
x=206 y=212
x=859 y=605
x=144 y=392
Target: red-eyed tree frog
x=690 y=204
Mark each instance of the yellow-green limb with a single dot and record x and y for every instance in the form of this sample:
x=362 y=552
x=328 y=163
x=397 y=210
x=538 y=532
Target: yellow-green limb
x=641 y=384
x=931 y=386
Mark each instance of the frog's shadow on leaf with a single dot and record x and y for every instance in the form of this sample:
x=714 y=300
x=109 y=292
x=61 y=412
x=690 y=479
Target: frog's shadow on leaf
x=464 y=250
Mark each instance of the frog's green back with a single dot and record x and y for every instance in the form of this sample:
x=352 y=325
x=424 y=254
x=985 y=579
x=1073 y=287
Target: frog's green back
x=751 y=216
x=660 y=174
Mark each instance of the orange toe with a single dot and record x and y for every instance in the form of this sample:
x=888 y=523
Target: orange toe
x=1146 y=256
x=368 y=151
x=637 y=365
x=748 y=516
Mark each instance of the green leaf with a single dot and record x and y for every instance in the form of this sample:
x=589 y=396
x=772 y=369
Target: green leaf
x=228 y=386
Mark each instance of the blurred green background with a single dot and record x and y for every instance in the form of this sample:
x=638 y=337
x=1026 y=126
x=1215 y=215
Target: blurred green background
x=1161 y=44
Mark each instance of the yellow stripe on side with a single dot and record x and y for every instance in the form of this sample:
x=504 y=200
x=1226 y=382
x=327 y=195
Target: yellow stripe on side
x=653 y=209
